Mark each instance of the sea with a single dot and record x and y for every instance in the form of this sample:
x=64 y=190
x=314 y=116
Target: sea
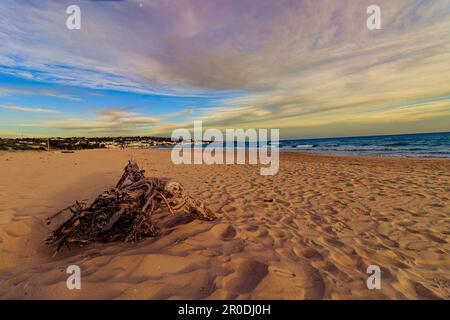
x=420 y=145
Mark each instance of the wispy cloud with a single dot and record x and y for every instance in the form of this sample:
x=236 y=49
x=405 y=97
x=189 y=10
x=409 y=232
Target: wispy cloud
x=28 y=109
x=185 y=112
x=104 y=121
x=48 y=93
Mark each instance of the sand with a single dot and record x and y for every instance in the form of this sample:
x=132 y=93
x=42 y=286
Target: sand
x=331 y=217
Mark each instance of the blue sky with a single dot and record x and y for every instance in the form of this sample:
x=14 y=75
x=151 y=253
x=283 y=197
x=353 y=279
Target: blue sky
x=147 y=67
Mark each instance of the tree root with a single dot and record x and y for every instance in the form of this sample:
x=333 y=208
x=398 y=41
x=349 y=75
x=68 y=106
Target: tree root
x=124 y=213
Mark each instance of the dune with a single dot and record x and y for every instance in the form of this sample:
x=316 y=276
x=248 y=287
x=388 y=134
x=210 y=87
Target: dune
x=329 y=218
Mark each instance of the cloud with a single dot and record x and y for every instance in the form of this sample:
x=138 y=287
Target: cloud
x=28 y=109
x=123 y=115
x=48 y=93
x=144 y=120
x=284 y=63
x=105 y=121
x=185 y=112
x=115 y=114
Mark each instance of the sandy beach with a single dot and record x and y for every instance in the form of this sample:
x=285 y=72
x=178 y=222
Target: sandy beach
x=330 y=218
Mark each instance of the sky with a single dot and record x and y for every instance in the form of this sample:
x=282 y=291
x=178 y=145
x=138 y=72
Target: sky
x=310 y=68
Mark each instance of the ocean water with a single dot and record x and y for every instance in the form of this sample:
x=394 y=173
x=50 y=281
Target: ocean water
x=422 y=145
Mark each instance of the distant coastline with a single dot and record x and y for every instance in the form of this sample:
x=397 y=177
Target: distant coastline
x=82 y=143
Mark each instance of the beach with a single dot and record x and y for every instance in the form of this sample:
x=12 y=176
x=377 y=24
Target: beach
x=309 y=232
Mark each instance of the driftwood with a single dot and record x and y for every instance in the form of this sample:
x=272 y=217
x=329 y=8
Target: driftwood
x=124 y=213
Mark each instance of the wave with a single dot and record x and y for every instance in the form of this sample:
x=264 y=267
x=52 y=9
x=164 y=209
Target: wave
x=398 y=144
x=415 y=145
x=305 y=146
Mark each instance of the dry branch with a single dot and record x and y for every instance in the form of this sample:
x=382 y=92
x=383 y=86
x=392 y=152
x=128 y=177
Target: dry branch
x=124 y=213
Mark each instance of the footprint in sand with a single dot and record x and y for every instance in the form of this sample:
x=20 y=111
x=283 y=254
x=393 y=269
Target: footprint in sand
x=308 y=253
x=224 y=231
x=423 y=292
x=247 y=276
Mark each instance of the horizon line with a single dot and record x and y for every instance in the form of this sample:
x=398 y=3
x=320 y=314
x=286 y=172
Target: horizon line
x=162 y=136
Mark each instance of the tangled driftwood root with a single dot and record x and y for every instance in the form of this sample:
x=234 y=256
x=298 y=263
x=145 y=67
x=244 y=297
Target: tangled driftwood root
x=124 y=213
